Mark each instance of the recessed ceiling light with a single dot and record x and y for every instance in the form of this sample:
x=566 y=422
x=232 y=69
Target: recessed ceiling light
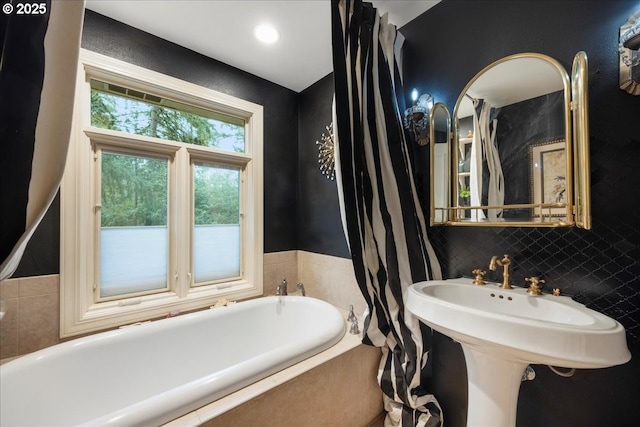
x=266 y=33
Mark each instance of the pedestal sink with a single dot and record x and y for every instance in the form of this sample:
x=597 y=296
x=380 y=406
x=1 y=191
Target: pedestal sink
x=502 y=331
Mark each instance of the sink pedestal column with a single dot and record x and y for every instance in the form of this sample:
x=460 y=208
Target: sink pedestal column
x=493 y=386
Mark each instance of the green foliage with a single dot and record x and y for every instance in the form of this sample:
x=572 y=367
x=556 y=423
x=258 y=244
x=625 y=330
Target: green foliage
x=114 y=112
x=102 y=110
x=135 y=188
x=216 y=195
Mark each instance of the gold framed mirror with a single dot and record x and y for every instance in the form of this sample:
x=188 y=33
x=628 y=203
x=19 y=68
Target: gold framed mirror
x=581 y=160
x=519 y=154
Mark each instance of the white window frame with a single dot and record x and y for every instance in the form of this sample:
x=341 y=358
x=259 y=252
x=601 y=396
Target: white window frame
x=79 y=313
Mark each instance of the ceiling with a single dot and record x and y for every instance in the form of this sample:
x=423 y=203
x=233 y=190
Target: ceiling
x=503 y=84
x=223 y=30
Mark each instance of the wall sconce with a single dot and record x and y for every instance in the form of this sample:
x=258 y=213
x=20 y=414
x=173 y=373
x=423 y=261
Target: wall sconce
x=629 y=50
x=416 y=117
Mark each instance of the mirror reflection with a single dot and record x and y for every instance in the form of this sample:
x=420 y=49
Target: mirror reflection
x=512 y=135
x=440 y=129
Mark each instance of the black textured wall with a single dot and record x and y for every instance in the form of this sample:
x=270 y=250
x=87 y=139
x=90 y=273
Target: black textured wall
x=112 y=38
x=319 y=226
x=445 y=47
x=544 y=117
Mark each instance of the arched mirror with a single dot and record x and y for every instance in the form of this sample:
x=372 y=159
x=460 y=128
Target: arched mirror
x=440 y=129
x=517 y=156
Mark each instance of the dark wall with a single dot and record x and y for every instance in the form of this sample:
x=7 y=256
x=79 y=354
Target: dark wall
x=544 y=116
x=444 y=48
x=120 y=41
x=320 y=229
x=114 y=39
x=42 y=254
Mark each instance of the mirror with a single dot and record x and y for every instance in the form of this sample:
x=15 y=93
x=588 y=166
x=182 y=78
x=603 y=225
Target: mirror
x=512 y=159
x=440 y=128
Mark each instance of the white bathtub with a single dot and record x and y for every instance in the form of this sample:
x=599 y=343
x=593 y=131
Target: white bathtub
x=152 y=373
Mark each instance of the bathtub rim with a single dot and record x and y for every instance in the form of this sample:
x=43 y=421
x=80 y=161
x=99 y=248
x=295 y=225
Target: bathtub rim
x=132 y=328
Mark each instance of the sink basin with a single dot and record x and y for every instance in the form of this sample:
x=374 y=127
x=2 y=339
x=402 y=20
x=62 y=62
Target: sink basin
x=503 y=330
x=544 y=329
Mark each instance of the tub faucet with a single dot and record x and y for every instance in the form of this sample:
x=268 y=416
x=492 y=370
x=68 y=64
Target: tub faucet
x=505 y=263
x=282 y=288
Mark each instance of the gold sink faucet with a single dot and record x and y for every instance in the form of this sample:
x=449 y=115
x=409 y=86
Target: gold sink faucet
x=504 y=262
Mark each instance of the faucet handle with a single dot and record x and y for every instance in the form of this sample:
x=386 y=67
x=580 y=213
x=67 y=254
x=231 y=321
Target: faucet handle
x=300 y=287
x=534 y=288
x=351 y=316
x=354 y=329
x=479 y=280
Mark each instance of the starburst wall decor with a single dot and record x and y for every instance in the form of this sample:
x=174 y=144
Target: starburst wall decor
x=326 y=153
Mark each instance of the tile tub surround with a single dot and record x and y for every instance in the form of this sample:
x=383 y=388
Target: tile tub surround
x=32 y=318
x=325 y=277
x=342 y=392
x=331 y=279
x=33 y=303
x=32 y=323
x=336 y=388
x=319 y=379
x=278 y=266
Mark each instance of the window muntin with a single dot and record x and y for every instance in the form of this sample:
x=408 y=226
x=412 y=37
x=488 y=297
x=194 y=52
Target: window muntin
x=134 y=234
x=139 y=113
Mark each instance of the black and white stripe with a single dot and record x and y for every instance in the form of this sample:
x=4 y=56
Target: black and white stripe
x=385 y=227
x=38 y=64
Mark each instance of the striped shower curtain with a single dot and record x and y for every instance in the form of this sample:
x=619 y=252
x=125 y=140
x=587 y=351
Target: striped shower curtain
x=39 y=45
x=385 y=227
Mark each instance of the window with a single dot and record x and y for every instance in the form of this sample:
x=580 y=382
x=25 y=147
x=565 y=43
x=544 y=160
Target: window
x=161 y=201
x=133 y=236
